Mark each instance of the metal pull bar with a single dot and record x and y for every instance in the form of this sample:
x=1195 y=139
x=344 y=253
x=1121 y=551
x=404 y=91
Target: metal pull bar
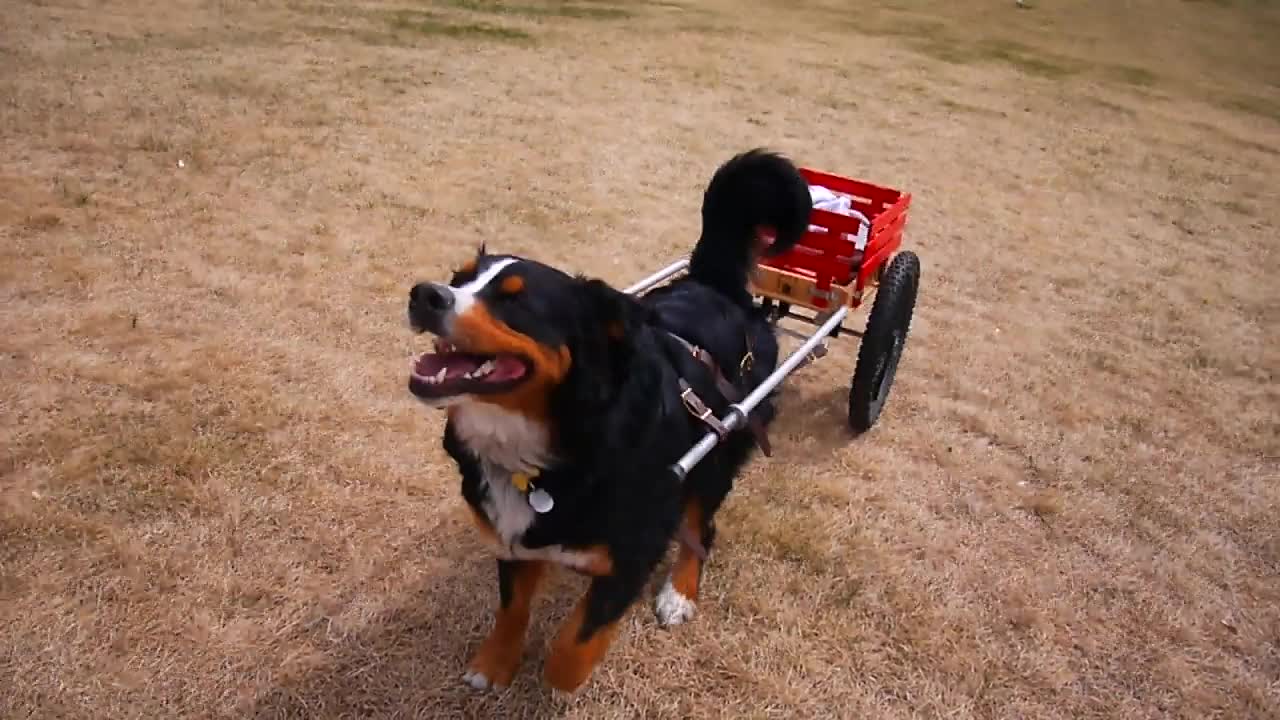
x=657 y=277
x=738 y=412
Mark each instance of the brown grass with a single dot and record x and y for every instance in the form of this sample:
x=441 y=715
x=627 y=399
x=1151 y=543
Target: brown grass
x=217 y=499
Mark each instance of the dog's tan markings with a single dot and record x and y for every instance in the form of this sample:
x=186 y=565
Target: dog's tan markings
x=572 y=657
x=479 y=331
x=687 y=570
x=468 y=267
x=597 y=561
x=511 y=285
x=498 y=657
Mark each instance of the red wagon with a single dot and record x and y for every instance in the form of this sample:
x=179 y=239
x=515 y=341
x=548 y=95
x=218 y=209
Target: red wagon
x=850 y=255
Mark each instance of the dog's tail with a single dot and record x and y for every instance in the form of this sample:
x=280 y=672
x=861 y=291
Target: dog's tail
x=756 y=204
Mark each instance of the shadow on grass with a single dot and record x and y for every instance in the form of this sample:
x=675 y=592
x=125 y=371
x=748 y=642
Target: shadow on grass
x=409 y=660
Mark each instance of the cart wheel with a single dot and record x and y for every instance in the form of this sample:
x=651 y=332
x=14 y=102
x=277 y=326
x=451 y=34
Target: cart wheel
x=887 y=328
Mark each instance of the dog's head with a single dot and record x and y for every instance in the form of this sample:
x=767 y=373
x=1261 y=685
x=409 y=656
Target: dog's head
x=514 y=333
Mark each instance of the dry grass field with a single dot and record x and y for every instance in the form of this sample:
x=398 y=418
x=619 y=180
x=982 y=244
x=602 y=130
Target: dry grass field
x=217 y=499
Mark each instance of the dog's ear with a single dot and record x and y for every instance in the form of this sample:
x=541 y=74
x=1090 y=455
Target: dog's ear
x=609 y=395
x=614 y=313
x=606 y=335
x=469 y=266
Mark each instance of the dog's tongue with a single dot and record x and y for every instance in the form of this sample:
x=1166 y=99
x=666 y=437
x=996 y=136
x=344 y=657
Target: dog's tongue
x=505 y=367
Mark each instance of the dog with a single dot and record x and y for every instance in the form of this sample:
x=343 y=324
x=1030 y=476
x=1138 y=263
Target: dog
x=567 y=402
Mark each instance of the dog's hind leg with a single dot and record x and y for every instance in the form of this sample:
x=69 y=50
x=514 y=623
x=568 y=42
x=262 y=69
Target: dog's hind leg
x=677 y=601
x=495 y=663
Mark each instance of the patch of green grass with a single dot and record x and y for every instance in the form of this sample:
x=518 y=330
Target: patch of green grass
x=1265 y=107
x=325 y=10
x=1235 y=207
x=955 y=106
x=1113 y=107
x=193 y=40
x=930 y=30
x=73 y=192
x=704 y=28
x=41 y=222
x=399 y=27
x=154 y=142
x=229 y=86
x=1235 y=140
x=432 y=26
x=1028 y=60
x=1140 y=77
x=934 y=39
x=367 y=36
x=836 y=101
x=941 y=41
x=943 y=50
x=577 y=10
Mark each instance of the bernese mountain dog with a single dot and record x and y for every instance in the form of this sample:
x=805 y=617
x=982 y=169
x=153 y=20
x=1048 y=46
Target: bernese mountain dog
x=568 y=401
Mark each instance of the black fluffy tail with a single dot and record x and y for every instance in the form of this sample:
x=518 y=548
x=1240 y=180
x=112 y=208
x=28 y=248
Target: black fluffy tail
x=752 y=192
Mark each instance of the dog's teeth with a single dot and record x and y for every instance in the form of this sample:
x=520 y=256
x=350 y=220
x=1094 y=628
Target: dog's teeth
x=484 y=369
x=439 y=377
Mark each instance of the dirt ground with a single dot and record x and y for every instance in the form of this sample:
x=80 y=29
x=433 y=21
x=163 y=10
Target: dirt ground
x=217 y=498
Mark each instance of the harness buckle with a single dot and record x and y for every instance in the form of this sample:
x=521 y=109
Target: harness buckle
x=699 y=410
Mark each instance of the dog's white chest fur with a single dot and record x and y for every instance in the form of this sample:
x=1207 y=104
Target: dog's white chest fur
x=507 y=508
x=501 y=437
x=506 y=442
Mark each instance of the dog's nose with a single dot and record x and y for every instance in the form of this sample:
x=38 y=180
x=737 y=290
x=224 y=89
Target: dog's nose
x=432 y=297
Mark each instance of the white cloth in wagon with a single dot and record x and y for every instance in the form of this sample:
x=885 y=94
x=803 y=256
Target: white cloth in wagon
x=825 y=199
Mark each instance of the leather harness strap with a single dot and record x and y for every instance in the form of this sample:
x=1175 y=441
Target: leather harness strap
x=699 y=409
x=691 y=541
x=696 y=407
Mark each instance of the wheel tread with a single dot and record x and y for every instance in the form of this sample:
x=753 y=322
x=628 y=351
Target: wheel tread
x=894 y=305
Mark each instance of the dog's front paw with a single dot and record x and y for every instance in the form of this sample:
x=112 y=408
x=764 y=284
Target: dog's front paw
x=494 y=665
x=672 y=607
x=566 y=671
x=477 y=680
x=574 y=657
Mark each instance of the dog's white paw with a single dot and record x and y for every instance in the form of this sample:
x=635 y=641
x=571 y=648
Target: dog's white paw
x=478 y=681
x=672 y=607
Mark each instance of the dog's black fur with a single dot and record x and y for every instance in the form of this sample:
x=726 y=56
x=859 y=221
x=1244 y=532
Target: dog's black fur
x=613 y=420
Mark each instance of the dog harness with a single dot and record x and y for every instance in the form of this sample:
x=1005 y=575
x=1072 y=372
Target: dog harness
x=699 y=409
x=541 y=502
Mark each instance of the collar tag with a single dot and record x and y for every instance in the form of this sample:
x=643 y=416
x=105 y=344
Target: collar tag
x=541 y=501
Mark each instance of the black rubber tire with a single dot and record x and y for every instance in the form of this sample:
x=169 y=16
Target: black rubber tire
x=882 y=343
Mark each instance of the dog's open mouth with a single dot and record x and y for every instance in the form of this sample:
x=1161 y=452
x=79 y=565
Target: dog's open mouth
x=448 y=371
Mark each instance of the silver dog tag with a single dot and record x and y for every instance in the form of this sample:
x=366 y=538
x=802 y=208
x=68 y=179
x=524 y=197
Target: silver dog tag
x=540 y=500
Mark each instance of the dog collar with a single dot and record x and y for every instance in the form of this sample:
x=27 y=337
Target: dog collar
x=540 y=500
